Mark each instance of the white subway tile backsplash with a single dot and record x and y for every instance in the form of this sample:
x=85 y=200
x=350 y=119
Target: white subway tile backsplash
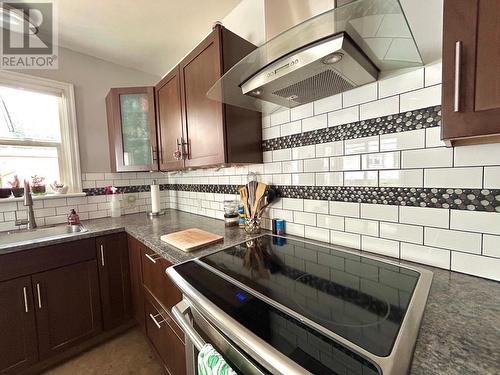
x=433 y=137
x=433 y=73
x=303 y=179
x=382 y=107
x=301 y=112
x=282 y=214
x=453 y=240
x=491 y=245
x=316 y=206
x=454 y=177
x=295 y=229
x=271 y=168
x=343 y=116
x=433 y=217
x=364 y=178
x=291 y=128
x=306 y=218
x=318 y=234
x=281 y=117
x=361 y=145
x=314 y=123
x=293 y=204
x=345 y=239
x=420 y=98
x=329 y=149
x=383 y=160
x=475 y=221
x=360 y=95
x=492 y=177
x=349 y=209
x=317 y=165
x=292 y=166
x=427 y=158
x=345 y=163
x=379 y=212
x=484 y=154
x=402 y=232
x=282 y=155
x=304 y=152
x=330 y=222
x=426 y=255
x=402 y=178
x=361 y=226
x=476 y=265
x=269 y=133
x=401 y=83
x=330 y=179
x=402 y=141
x=380 y=246
x=267 y=156
x=329 y=104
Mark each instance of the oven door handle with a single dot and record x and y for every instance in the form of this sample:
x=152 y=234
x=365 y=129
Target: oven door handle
x=188 y=329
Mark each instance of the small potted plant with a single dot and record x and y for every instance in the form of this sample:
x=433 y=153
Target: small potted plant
x=16 y=188
x=38 y=185
x=59 y=187
x=4 y=192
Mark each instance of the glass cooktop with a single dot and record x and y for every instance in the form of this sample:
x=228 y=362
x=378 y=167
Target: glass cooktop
x=358 y=298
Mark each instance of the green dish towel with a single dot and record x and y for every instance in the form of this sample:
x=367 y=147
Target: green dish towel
x=210 y=362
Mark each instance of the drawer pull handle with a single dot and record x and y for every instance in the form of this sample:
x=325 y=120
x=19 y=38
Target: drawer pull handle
x=102 y=255
x=25 y=299
x=157 y=323
x=39 y=295
x=458 y=63
x=153 y=258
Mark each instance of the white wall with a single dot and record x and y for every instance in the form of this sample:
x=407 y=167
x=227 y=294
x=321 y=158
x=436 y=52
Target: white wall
x=93 y=78
x=248 y=21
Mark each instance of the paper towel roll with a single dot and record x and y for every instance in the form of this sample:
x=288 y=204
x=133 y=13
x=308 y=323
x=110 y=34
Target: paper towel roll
x=155 y=197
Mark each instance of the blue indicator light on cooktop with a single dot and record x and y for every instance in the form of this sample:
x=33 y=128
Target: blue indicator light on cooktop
x=241 y=296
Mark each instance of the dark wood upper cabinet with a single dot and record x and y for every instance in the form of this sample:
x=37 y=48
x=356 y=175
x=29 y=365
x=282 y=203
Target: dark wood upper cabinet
x=114 y=279
x=471 y=69
x=67 y=307
x=18 y=341
x=169 y=121
x=209 y=132
x=131 y=129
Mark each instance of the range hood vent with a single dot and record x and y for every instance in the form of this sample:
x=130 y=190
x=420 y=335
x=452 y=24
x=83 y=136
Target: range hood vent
x=333 y=52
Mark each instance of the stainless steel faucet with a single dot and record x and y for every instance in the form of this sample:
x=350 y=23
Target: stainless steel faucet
x=28 y=202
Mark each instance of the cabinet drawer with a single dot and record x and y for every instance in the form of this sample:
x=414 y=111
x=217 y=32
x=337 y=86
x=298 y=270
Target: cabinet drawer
x=41 y=259
x=169 y=347
x=156 y=280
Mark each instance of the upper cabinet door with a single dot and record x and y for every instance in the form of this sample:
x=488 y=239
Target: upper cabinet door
x=203 y=118
x=471 y=68
x=169 y=122
x=131 y=127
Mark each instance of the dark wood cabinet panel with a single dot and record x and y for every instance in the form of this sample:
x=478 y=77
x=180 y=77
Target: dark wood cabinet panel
x=136 y=288
x=131 y=129
x=471 y=69
x=18 y=341
x=169 y=121
x=67 y=307
x=203 y=117
x=167 y=344
x=114 y=279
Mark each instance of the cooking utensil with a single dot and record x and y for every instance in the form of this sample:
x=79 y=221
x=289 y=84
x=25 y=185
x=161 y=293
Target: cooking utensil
x=259 y=194
x=244 y=198
x=270 y=195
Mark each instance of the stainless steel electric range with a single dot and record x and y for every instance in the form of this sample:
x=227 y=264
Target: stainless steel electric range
x=282 y=306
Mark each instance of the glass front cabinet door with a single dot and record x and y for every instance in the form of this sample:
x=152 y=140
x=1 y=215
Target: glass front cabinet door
x=131 y=129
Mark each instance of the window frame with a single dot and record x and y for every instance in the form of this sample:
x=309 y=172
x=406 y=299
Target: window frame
x=68 y=149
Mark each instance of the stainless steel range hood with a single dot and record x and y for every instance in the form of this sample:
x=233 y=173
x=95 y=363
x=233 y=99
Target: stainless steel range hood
x=333 y=52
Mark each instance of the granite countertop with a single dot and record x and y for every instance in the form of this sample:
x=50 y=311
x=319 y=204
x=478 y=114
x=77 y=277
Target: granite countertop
x=460 y=331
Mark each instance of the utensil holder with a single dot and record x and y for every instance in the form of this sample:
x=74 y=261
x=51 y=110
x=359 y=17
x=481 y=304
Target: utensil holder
x=252 y=225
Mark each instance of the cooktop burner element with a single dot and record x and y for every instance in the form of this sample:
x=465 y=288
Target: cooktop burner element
x=309 y=301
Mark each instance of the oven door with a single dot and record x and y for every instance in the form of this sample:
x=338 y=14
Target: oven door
x=198 y=331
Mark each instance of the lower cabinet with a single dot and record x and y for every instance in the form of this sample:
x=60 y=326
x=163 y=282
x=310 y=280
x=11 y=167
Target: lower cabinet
x=136 y=288
x=18 y=341
x=67 y=306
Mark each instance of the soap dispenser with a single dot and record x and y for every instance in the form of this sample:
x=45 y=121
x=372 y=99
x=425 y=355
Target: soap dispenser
x=73 y=218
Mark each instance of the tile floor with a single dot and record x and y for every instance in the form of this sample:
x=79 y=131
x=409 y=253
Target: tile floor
x=126 y=354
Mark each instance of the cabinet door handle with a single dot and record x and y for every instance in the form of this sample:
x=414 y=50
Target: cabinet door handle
x=153 y=158
x=102 y=255
x=157 y=323
x=39 y=295
x=150 y=258
x=25 y=295
x=458 y=63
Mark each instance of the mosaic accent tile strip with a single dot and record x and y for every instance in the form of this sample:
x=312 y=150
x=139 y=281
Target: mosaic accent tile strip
x=456 y=199
x=412 y=120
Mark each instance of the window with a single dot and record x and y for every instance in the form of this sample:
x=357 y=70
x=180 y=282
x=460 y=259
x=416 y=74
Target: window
x=38 y=130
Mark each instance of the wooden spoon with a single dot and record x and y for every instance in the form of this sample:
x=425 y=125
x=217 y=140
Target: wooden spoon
x=259 y=194
x=244 y=198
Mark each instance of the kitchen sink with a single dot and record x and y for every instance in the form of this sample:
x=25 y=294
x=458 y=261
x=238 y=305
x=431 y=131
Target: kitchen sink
x=23 y=236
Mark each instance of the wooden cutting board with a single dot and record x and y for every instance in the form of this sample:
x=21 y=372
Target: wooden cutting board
x=191 y=239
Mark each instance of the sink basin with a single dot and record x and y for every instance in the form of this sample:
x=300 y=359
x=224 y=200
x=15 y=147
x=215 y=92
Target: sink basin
x=21 y=237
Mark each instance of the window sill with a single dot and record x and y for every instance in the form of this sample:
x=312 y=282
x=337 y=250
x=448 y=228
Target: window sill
x=42 y=197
